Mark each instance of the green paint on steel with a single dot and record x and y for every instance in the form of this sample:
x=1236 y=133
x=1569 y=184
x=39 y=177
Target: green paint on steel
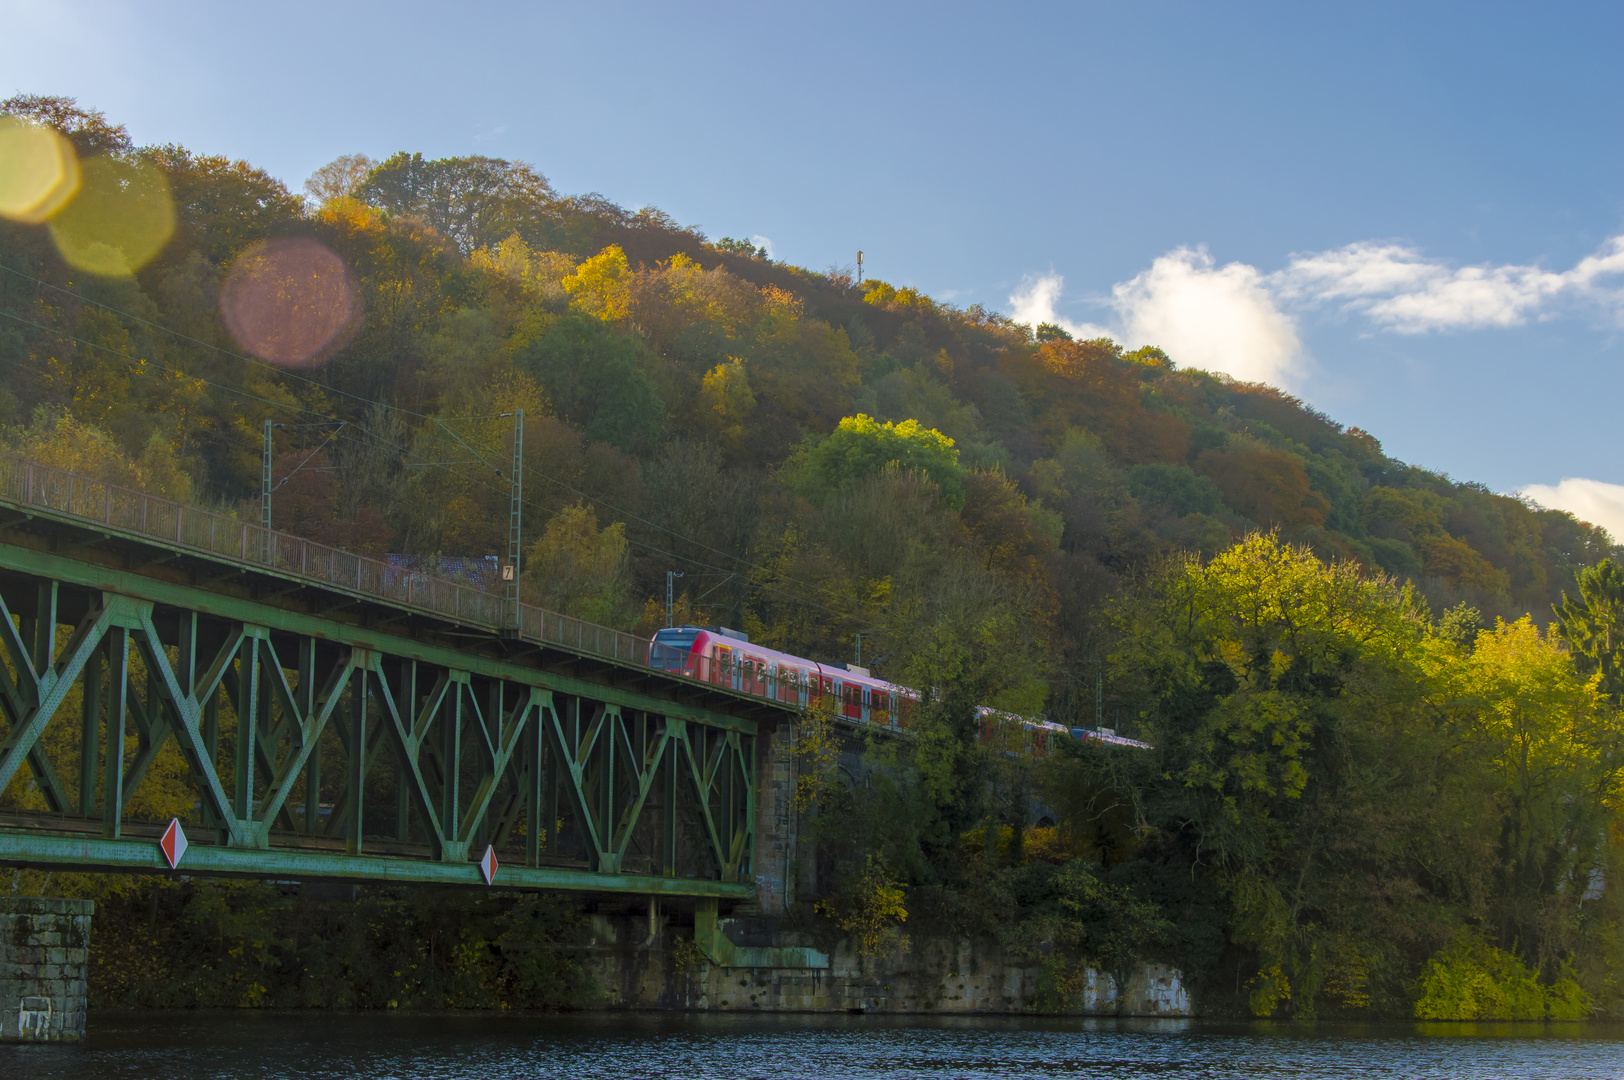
x=710 y=936
x=91 y=853
x=606 y=758
x=31 y=487
x=108 y=579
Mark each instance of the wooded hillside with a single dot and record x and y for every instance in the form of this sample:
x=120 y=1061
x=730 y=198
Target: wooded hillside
x=1375 y=782
x=676 y=391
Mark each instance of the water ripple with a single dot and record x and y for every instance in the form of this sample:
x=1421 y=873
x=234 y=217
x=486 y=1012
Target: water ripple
x=256 y=1046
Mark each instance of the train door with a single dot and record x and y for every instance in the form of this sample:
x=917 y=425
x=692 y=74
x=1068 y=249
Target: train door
x=721 y=665
x=851 y=700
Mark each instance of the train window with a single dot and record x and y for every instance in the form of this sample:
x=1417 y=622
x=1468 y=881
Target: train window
x=671 y=647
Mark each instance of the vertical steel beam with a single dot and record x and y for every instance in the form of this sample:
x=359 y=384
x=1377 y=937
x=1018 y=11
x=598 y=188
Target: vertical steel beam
x=407 y=700
x=355 y=772
x=90 y=720
x=43 y=624
x=247 y=702
x=306 y=696
x=552 y=777
x=113 y=753
x=187 y=653
x=451 y=757
x=724 y=812
x=668 y=777
x=533 y=785
x=211 y=744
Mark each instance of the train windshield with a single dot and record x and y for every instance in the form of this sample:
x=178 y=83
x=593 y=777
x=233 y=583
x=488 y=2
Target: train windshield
x=671 y=647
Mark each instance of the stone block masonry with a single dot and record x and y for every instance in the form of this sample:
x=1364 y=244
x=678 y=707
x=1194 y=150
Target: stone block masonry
x=639 y=969
x=44 y=956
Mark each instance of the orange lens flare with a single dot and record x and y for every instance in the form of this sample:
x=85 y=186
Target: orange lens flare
x=121 y=218
x=39 y=171
x=291 y=302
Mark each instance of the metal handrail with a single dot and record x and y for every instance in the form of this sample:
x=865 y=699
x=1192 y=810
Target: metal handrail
x=41 y=487
x=37 y=486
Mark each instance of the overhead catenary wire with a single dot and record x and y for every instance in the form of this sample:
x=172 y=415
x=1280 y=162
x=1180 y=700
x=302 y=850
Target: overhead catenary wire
x=327 y=419
x=211 y=346
x=282 y=372
x=138 y=362
x=322 y=445
x=354 y=397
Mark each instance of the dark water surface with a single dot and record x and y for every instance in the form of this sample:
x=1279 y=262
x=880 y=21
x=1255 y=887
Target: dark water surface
x=181 y=1046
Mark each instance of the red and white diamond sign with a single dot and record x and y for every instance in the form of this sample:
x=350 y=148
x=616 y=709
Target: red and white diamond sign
x=487 y=865
x=173 y=845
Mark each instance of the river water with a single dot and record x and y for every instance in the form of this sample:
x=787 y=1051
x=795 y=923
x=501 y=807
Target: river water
x=318 y=1046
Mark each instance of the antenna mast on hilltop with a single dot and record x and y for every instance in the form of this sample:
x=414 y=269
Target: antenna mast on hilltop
x=859 y=268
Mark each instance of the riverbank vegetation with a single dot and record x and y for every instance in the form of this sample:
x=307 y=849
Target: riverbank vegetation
x=1383 y=770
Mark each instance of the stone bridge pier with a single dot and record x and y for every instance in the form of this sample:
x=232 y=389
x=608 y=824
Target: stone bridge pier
x=44 y=954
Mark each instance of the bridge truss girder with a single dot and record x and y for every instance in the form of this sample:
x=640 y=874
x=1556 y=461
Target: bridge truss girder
x=309 y=748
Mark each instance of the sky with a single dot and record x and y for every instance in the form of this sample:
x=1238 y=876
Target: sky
x=1410 y=215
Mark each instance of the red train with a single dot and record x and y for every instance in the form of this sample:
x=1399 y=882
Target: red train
x=725 y=657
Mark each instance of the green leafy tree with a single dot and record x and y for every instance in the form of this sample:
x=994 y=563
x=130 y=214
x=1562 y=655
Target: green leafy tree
x=473 y=201
x=1592 y=624
x=593 y=375
x=862 y=446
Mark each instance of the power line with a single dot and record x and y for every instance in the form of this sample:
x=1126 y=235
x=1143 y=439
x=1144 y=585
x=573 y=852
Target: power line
x=137 y=362
x=211 y=346
x=618 y=511
x=354 y=397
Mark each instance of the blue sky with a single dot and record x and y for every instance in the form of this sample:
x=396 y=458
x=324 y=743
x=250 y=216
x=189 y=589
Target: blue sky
x=1405 y=213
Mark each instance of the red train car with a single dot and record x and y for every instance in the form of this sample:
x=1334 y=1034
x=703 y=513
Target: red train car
x=724 y=657
x=727 y=658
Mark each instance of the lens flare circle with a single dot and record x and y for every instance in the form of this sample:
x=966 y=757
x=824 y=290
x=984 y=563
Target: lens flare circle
x=121 y=218
x=39 y=171
x=290 y=301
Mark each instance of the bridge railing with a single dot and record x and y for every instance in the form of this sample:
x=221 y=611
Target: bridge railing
x=31 y=484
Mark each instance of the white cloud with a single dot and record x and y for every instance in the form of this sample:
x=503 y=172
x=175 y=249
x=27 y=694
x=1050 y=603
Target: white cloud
x=1034 y=304
x=1220 y=318
x=1236 y=320
x=1401 y=290
x=764 y=244
x=1595 y=501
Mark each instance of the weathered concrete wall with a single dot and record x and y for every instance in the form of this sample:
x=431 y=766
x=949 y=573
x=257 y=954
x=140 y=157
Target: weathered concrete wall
x=44 y=953
x=776 y=820
x=665 y=972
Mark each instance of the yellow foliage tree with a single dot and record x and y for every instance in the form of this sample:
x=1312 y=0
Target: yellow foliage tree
x=61 y=441
x=870 y=910
x=538 y=271
x=727 y=394
x=579 y=569
x=601 y=286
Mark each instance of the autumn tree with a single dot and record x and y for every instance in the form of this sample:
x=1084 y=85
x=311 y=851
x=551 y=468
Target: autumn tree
x=579 y=568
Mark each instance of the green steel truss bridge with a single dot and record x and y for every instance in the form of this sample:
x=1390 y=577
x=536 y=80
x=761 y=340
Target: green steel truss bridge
x=308 y=713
